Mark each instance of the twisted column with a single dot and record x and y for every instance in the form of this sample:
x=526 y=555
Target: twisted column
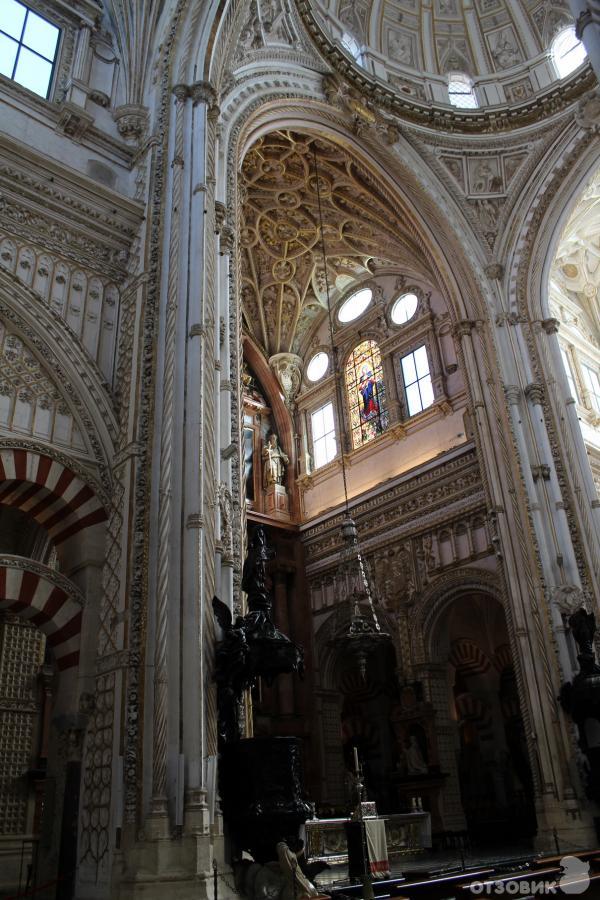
x=159 y=737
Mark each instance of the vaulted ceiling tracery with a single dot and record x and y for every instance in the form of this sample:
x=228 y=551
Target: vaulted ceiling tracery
x=283 y=278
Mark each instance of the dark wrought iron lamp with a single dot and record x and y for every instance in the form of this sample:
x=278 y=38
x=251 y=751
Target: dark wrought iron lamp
x=353 y=579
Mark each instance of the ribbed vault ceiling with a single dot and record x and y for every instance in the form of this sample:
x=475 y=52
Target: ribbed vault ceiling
x=282 y=267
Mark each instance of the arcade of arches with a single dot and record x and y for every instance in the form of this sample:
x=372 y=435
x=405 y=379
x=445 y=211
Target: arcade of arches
x=256 y=270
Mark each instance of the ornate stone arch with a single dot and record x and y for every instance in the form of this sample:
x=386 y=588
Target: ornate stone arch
x=49 y=491
x=438 y=597
x=575 y=158
x=46 y=599
x=76 y=376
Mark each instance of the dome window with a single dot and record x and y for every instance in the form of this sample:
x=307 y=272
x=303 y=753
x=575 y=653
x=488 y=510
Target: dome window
x=461 y=92
x=317 y=366
x=404 y=308
x=567 y=52
x=355 y=305
x=350 y=44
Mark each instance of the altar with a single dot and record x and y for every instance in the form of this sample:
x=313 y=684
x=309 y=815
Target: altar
x=325 y=839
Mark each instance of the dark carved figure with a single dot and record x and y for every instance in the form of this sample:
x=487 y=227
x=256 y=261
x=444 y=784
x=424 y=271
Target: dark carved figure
x=260 y=779
x=581 y=697
x=583 y=628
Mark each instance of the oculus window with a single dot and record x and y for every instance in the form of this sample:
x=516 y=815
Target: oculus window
x=323 y=435
x=404 y=308
x=355 y=305
x=417 y=381
x=28 y=45
x=592 y=383
x=461 y=92
x=567 y=52
x=366 y=393
x=317 y=366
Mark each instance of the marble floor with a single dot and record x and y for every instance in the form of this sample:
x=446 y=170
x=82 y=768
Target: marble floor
x=436 y=863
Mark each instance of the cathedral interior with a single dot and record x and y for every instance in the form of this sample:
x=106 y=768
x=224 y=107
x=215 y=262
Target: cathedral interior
x=299 y=436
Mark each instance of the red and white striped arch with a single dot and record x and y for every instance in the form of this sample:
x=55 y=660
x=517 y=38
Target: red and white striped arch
x=47 y=600
x=49 y=492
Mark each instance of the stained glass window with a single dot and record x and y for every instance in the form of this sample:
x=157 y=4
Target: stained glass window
x=366 y=393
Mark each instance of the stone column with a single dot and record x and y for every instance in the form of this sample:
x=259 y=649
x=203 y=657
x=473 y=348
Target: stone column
x=587 y=22
x=199 y=358
x=159 y=820
x=529 y=635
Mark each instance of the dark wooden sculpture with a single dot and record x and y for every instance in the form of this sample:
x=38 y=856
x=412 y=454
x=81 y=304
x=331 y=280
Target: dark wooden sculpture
x=581 y=697
x=260 y=778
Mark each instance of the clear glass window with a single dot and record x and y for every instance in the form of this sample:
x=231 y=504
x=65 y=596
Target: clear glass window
x=28 y=45
x=323 y=435
x=366 y=393
x=404 y=308
x=461 y=92
x=350 y=43
x=569 y=372
x=567 y=52
x=592 y=383
x=417 y=381
x=355 y=305
x=317 y=366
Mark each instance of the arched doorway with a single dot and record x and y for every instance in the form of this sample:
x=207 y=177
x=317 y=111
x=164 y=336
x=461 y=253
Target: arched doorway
x=470 y=641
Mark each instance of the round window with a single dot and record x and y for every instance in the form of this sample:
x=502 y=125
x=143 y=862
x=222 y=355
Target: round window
x=404 y=308
x=317 y=366
x=355 y=305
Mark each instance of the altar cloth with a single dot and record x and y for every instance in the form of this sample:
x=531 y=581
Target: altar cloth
x=377 y=847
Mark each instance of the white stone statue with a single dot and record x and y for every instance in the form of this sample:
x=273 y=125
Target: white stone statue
x=274 y=462
x=415 y=764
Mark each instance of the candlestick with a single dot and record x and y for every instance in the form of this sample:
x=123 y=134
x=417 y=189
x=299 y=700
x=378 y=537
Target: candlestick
x=356 y=769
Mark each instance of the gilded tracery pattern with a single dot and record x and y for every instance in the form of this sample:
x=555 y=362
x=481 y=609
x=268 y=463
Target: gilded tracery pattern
x=283 y=289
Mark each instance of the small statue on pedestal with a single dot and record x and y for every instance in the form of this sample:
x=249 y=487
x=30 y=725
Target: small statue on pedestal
x=275 y=461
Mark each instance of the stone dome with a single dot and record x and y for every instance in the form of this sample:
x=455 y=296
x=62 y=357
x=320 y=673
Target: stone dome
x=502 y=45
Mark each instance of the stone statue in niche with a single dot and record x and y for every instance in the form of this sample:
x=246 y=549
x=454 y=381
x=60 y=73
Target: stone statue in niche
x=274 y=467
x=413 y=757
x=275 y=461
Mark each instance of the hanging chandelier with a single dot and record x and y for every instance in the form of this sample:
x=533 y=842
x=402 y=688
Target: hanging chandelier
x=353 y=582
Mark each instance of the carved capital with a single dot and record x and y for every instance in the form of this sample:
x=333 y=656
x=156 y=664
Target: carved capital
x=463 y=327
x=132 y=121
x=288 y=368
x=512 y=393
x=182 y=92
x=535 y=393
x=542 y=471
x=550 y=326
x=203 y=92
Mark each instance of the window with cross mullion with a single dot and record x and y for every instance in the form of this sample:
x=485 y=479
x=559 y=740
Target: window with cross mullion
x=28 y=47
